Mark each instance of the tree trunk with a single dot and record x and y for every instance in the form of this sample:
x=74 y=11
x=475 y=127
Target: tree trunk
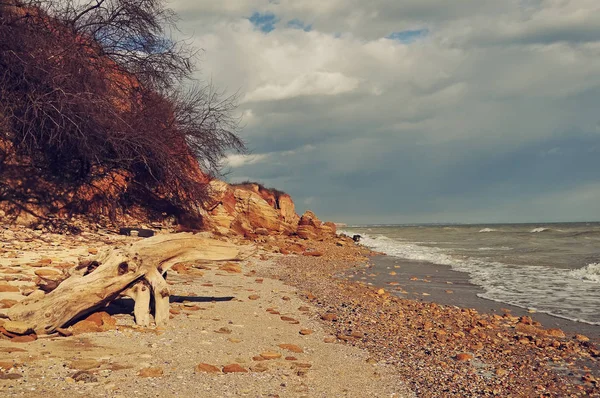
x=118 y=269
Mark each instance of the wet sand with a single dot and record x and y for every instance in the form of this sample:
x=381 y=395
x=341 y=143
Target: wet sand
x=444 y=286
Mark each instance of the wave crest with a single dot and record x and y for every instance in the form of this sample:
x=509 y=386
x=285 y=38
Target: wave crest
x=590 y=272
x=538 y=230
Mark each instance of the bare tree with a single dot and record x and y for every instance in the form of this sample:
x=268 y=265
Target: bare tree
x=88 y=87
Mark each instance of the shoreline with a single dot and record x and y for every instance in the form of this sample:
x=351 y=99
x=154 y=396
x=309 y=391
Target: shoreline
x=428 y=282
x=352 y=339
x=443 y=350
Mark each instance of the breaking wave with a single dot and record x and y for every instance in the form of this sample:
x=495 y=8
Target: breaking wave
x=590 y=273
x=560 y=292
x=538 y=230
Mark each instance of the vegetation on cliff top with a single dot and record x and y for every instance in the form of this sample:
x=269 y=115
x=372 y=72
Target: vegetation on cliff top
x=96 y=89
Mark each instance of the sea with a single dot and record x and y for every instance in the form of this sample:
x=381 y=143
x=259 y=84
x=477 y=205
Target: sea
x=549 y=268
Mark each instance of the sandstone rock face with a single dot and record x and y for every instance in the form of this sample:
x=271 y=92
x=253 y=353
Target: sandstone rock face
x=310 y=227
x=250 y=209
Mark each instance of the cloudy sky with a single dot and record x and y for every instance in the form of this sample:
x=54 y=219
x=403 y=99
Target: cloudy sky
x=401 y=111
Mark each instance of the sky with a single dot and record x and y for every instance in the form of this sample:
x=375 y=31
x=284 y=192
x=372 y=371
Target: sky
x=412 y=111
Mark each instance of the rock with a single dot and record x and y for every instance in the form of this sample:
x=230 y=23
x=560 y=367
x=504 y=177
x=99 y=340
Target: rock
x=24 y=339
x=64 y=332
x=582 y=338
x=260 y=367
x=291 y=347
x=47 y=273
x=234 y=368
x=10 y=376
x=93 y=251
x=305 y=332
x=7 y=303
x=231 y=268
x=555 y=333
x=526 y=320
x=463 y=357
x=268 y=355
x=151 y=372
x=223 y=330
x=254 y=297
x=290 y=320
x=329 y=317
x=206 y=368
x=313 y=254
x=84 y=377
x=329 y=339
x=306 y=232
x=85 y=326
x=17 y=327
x=6 y=288
x=5 y=365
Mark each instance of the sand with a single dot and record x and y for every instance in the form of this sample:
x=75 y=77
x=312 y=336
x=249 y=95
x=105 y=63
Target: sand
x=292 y=327
x=219 y=319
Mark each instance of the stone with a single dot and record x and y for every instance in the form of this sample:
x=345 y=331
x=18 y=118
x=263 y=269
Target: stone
x=555 y=333
x=17 y=327
x=223 y=330
x=5 y=365
x=268 y=355
x=234 y=368
x=313 y=254
x=84 y=377
x=7 y=303
x=289 y=319
x=231 y=268
x=93 y=251
x=151 y=372
x=24 y=339
x=582 y=338
x=254 y=297
x=6 y=288
x=260 y=367
x=526 y=320
x=329 y=339
x=64 y=332
x=10 y=376
x=306 y=332
x=463 y=357
x=291 y=347
x=206 y=368
x=85 y=326
x=329 y=317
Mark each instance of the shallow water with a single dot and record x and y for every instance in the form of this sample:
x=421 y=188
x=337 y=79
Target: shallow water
x=551 y=268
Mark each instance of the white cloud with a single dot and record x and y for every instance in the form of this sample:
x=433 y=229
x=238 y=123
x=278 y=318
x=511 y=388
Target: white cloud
x=490 y=77
x=312 y=83
x=236 y=160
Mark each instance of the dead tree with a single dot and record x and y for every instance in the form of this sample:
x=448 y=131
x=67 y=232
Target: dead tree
x=135 y=270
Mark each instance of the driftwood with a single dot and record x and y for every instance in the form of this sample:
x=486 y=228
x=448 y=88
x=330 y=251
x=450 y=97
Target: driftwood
x=135 y=270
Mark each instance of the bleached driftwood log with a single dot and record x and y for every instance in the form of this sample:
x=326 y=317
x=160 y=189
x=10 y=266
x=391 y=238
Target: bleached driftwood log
x=135 y=270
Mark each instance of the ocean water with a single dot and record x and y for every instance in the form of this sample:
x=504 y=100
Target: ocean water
x=550 y=268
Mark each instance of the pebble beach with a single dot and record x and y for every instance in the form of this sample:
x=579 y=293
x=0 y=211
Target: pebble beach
x=286 y=322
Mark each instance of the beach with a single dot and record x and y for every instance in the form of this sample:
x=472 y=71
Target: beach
x=287 y=325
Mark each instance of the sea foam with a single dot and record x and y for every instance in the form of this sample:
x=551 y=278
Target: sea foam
x=556 y=291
